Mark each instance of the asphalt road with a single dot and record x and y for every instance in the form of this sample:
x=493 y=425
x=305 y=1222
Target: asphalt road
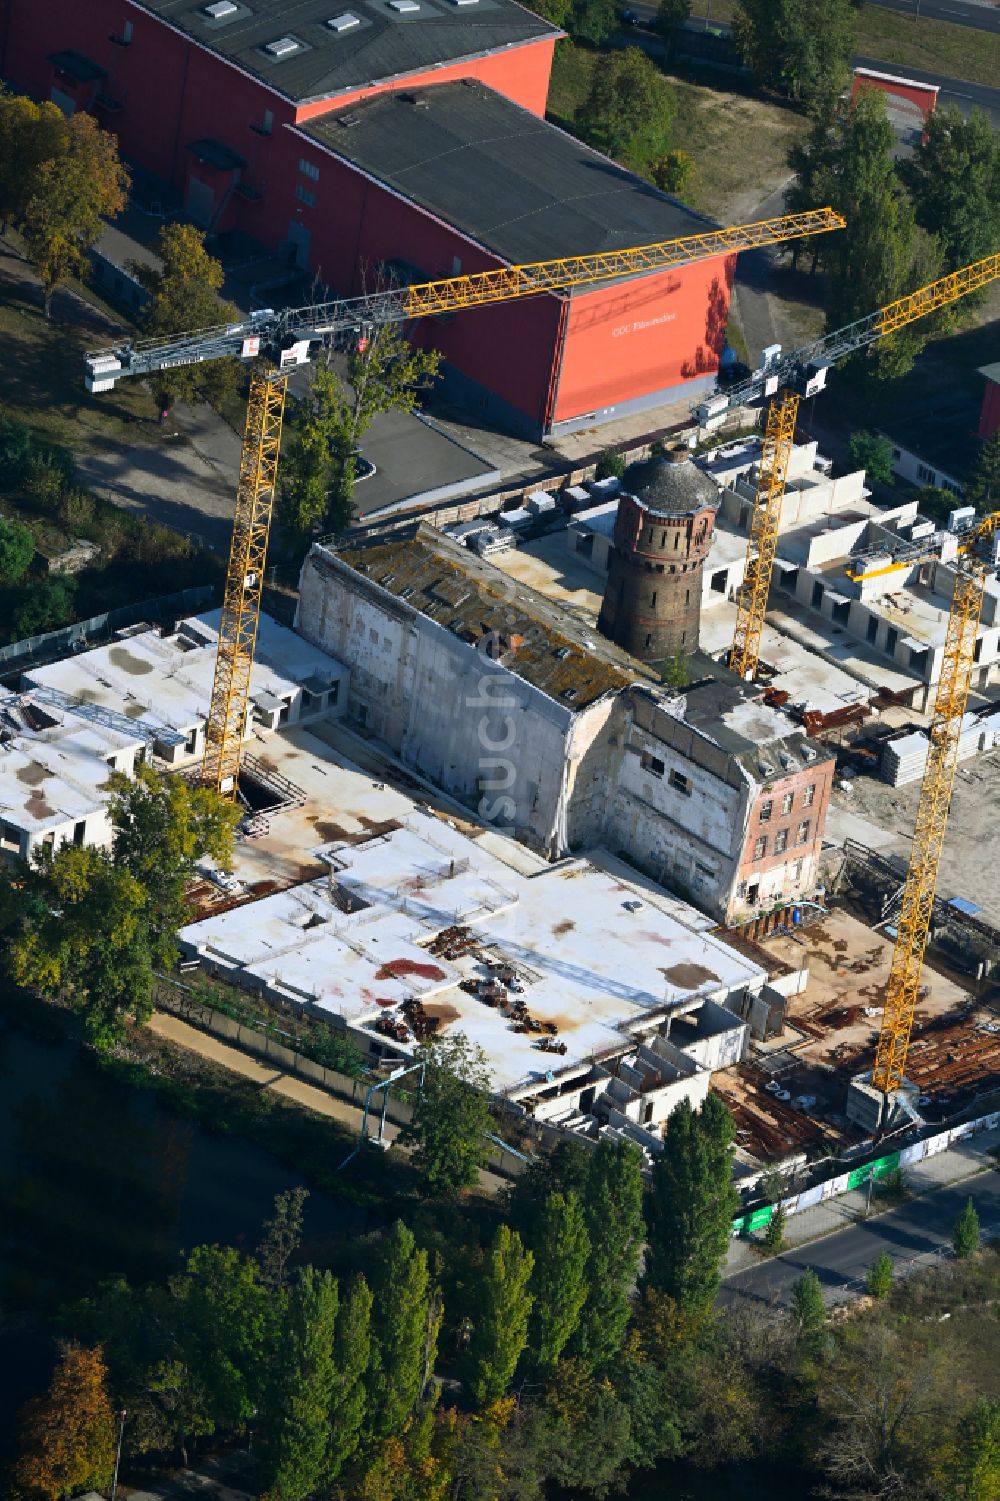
x=916 y=1229
x=983 y=17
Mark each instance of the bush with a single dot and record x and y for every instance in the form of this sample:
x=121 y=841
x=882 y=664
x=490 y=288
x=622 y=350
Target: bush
x=16 y=450
x=965 y=1235
x=46 y=479
x=808 y=1307
x=610 y=465
x=45 y=607
x=17 y=548
x=879 y=1279
x=774 y=1235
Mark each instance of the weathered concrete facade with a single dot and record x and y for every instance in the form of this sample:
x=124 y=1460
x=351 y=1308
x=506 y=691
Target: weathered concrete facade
x=678 y=784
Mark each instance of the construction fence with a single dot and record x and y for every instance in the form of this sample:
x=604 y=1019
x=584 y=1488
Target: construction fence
x=177 y=999
x=36 y=650
x=857 y=1177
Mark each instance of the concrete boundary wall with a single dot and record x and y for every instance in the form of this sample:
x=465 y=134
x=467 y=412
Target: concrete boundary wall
x=182 y=1003
x=878 y=1167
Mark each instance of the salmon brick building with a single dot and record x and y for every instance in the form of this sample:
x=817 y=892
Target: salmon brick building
x=354 y=135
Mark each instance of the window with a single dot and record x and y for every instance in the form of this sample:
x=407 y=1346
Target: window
x=265 y=125
x=304 y=196
x=680 y=781
x=124 y=39
x=896 y=455
x=766 y=809
x=928 y=476
x=653 y=764
x=786 y=803
x=309 y=169
x=871 y=630
x=781 y=841
x=817 y=596
x=79 y=832
x=760 y=847
x=802 y=836
x=809 y=795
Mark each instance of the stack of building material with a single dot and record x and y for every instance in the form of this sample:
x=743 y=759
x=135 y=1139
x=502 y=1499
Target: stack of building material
x=904 y=757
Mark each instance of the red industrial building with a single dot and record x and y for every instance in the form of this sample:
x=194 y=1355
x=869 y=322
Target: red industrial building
x=399 y=133
x=989 y=416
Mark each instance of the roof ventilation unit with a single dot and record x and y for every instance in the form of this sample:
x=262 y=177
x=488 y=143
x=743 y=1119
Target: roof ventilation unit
x=345 y=22
x=404 y=7
x=283 y=47
x=465 y=2
x=221 y=9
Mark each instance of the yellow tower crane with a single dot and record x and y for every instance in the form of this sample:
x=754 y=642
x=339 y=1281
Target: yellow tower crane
x=280 y=341
x=786 y=380
x=973 y=565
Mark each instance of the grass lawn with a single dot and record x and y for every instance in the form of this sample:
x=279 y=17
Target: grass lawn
x=935 y=46
x=740 y=144
x=43 y=382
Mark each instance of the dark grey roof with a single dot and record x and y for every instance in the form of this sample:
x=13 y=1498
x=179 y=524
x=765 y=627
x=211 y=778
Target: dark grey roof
x=734 y=715
x=516 y=184
x=539 y=639
x=384 y=43
x=671 y=487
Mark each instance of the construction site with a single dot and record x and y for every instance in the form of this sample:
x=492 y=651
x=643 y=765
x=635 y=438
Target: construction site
x=585 y=777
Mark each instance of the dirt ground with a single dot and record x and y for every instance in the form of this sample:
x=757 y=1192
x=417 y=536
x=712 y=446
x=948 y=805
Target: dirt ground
x=839 y=1012
x=886 y=814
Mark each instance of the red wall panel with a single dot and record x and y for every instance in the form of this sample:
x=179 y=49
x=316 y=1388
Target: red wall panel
x=989 y=417
x=520 y=72
x=637 y=337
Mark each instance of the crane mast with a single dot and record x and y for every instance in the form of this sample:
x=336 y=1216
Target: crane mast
x=785 y=380
x=282 y=341
x=972 y=569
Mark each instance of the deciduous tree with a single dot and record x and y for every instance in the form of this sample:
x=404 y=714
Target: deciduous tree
x=561 y=1248
x=294 y=1415
x=30 y=134
x=73 y=193
x=406 y=1317
x=692 y=1205
x=880 y=255
x=873 y=454
x=223 y=1317
x=592 y=21
x=797 y=46
x=450 y=1115
x=76 y=930
x=500 y=1326
x=352 y=1360
x=669 y=15
x=163 y=827
x=612 y=1207
x=282 y=1238
x=954 y=176
x=68 y=1435
x=183 y=295
x=630 y=109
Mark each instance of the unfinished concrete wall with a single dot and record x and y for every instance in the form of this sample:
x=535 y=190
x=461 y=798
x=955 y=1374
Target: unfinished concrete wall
x=467 y=723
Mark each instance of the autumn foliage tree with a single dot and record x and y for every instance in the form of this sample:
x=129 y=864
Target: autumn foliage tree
x=73 y=192
x=67 y=1435
x=30 y=134
x=183 y=294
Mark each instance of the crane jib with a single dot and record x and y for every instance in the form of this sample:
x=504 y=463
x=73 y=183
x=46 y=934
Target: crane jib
x=285 y=337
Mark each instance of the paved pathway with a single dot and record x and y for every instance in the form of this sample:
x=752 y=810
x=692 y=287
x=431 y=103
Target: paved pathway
x=840 y=1245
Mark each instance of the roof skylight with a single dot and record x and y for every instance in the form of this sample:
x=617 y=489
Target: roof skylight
x=221 y=8
x=283 y=47
x=344 y=22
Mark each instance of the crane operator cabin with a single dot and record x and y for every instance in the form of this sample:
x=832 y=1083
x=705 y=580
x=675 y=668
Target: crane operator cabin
x=404 y=134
